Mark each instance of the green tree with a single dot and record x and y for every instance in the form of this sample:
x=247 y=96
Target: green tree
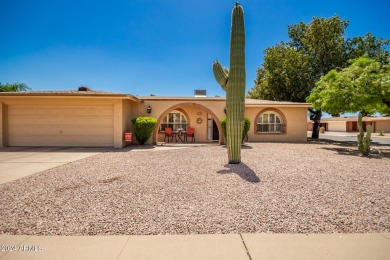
x=319 y=48
x=322 y=40
x=14 y=87
x=286 y=75
x=369 y=45
x=362 y=87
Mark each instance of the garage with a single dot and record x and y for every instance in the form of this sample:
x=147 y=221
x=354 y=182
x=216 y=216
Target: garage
x=51 y=125
x=67 y=118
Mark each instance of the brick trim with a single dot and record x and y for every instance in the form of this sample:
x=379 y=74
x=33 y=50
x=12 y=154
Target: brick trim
x=270 y=109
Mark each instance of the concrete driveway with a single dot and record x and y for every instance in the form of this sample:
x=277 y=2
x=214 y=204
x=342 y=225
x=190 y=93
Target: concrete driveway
x=18 y=162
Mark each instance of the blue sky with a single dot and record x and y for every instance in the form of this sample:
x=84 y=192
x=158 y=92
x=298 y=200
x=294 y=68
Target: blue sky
x=145 y=47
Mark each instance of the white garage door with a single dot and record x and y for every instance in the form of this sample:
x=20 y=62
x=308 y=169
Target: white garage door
x=61 y=126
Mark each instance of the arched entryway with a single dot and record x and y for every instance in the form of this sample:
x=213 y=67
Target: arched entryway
x=180 y=108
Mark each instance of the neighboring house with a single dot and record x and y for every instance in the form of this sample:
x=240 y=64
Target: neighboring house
x=88 y=118
x=349 y=124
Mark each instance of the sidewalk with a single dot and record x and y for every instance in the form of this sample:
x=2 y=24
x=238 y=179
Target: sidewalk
x=186 y=247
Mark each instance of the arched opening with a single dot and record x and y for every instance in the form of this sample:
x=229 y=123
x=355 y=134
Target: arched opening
x=175 y=119
x=270 y=121
x=179 y=107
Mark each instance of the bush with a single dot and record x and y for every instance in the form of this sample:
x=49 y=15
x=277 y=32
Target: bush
x=247 y=125
x=143 y=128
x=245 y=130
x=381 y=133
x=364 y=142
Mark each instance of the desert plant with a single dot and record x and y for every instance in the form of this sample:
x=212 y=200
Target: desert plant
x=363 y=141
x=143 y=128
x=245 y=130
x=381 y=133
x=233 y=82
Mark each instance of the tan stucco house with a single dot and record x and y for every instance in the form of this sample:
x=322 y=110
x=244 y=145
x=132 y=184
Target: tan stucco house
x=88 y=118
x=349 y=124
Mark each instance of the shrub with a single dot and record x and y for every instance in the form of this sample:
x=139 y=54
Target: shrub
x=381 y=133
x=223 y=125
x=143 y=128
x=245 y=130
x=364 y=145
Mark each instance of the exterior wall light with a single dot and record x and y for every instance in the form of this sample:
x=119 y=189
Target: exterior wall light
x=149 y=109
x=224 y=110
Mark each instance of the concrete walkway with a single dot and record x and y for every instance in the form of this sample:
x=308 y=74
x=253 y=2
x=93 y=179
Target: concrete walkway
x=231 y=246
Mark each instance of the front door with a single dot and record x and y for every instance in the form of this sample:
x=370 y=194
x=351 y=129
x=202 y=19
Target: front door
x=215 y=132
x=212 y=129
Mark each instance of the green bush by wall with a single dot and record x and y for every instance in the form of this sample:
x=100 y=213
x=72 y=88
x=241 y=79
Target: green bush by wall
x=143 y=128
x=245 y=130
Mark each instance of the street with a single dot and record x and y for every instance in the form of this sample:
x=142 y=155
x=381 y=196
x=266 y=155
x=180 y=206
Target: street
x=352 y=137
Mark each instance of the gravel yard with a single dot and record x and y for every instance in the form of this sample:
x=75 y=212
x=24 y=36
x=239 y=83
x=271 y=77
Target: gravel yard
x=279 y=188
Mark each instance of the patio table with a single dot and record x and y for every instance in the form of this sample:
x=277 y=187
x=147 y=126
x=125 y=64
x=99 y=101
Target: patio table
x=180 y=135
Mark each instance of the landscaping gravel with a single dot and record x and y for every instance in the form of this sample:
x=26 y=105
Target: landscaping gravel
x=278 y=188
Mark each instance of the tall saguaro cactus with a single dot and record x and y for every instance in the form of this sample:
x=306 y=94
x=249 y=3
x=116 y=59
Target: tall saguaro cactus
x=233 y=82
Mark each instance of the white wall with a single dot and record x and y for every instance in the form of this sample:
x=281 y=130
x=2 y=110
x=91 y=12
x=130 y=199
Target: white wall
x=337 y=126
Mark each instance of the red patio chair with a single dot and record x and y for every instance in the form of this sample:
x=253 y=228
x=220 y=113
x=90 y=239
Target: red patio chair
x=190 y=133
x=169 y=133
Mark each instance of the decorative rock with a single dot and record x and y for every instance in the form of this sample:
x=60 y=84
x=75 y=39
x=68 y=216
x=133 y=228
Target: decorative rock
x=291 y=189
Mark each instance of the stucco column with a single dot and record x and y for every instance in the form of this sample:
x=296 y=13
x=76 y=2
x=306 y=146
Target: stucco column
x=3 y=125
x=118 y=135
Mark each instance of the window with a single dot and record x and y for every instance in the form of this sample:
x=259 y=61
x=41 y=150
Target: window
x=174 y=120
x=270 y=122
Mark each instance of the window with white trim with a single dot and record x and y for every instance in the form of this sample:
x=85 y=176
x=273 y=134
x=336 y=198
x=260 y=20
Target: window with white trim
x=174 y=120
x=270 y=122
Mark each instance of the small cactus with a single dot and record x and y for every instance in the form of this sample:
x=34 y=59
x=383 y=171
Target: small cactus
x=364 y=141
x=233 y=82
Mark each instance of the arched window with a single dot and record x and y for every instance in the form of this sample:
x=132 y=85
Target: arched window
x=174 y=120
x=270 y=122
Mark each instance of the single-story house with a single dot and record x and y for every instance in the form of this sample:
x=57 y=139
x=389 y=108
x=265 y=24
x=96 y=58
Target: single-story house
x=88 y=118
x=349 y=124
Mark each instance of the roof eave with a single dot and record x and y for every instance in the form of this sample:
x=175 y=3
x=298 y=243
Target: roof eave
x=78 y=95
x=280 y=105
